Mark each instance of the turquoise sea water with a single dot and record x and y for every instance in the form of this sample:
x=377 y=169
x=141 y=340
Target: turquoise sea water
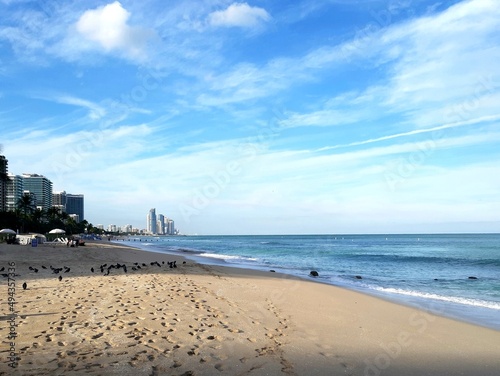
x=428 y=271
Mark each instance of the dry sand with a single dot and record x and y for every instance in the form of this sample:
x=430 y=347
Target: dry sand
x=204 y=320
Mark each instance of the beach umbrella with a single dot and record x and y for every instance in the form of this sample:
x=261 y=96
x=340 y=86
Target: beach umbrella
x=7 y=231
x=57 y=231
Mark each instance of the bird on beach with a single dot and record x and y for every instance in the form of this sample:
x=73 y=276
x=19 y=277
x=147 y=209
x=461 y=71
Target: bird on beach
x=92 y=270
x=35 y=270
x=43 y=267
x=3 y=268
x=25 y=286
x=67 y=269
x=60 y=278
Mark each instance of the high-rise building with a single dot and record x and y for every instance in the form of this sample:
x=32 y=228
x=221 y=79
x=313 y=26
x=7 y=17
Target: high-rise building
x=59 y=201
x=160 y=226
x=3 y=182
x=41 y=188
x=15 y=189
x=126 y=228
x=75 y=205
x=170 y=227
x=69 y=203
x=151 y=221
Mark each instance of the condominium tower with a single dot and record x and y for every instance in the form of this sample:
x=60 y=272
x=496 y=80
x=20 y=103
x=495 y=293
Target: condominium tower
x=41 y=188
x=151 y=221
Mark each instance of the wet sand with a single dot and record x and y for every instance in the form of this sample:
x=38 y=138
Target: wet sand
x=205 y=320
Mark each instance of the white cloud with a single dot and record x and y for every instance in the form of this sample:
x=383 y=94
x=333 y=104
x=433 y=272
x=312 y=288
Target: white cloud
x=239 y=15
x=107 y=26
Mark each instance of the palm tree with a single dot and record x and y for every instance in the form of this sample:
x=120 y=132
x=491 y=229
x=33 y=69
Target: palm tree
x=25 y=205
x=53 y=213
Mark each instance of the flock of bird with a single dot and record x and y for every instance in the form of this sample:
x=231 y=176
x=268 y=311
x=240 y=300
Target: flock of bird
x=104 y=268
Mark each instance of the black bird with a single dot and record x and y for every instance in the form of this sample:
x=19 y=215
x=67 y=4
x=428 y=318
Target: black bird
x=35 y=270
x=183 y=262
x=67 y=270
x=125 y=268
x=60 y=278
x=25 y=286
x=92 y=270
x=3 y=268
x=175 y=264
x=136 y=263
x=134 y=268
x=138 y=267
x=163 y=262
x=30 y=268
x=143 y=264
x=43 y=267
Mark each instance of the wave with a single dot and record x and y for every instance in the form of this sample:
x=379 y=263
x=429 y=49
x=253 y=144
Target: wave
x=451 y=299
x=227 y=257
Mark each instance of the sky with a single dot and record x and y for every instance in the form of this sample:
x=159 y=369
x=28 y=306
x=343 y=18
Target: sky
x=259 y=117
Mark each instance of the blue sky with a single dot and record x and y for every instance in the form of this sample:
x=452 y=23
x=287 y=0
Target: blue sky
x=259 y=117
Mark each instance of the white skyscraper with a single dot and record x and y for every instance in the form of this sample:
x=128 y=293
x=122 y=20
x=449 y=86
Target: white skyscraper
x=151 y=221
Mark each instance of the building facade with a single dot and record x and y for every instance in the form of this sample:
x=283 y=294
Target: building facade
x=151 y=221
x=59 y=201
x=15 y=189
x=160 y=225
x=75 y=205
x=170 y=227
x=41 y=188
x=3 y=182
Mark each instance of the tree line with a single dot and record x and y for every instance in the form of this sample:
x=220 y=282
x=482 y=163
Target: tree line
x=26 y=218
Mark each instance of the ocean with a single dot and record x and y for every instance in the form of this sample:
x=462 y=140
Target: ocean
x=453 y=275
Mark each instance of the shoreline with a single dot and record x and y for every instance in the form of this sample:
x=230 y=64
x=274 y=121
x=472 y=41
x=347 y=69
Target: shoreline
x=471 y=314
x=201 y=319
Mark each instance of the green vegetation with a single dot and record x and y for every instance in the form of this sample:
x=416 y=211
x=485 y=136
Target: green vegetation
x=26 y=218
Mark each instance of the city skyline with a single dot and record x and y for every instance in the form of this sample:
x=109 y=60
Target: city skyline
x=260 y=117
x=44 y=197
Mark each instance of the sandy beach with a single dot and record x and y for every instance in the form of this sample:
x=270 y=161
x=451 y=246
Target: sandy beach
x=204 y=320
